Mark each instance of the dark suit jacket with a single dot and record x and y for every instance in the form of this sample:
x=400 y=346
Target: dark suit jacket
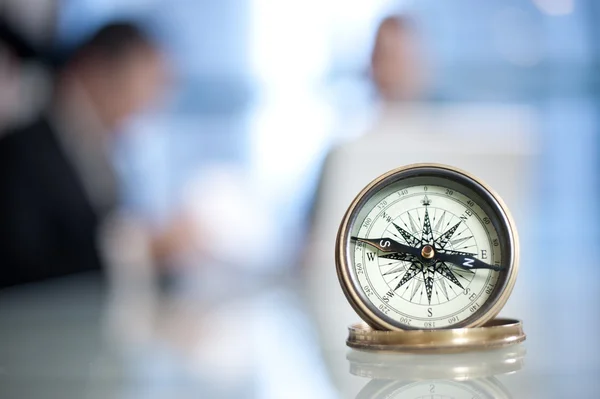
x=48 y=226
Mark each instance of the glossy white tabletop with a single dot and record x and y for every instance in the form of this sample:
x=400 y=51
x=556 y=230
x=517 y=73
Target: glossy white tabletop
x=71 y=338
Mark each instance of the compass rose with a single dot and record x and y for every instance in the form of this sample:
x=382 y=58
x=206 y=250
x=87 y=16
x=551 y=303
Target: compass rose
x=421 y=267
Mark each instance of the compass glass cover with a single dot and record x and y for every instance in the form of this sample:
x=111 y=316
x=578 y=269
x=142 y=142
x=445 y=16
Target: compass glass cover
x=427 y=248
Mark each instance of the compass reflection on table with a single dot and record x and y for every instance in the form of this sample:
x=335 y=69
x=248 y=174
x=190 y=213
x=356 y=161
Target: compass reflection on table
x=427 y=247
x=456 y=376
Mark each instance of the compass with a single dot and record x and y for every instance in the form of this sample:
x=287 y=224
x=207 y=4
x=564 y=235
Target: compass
x=427 y=246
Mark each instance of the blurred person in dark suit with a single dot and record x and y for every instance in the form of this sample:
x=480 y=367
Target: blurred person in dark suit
x=57 y=184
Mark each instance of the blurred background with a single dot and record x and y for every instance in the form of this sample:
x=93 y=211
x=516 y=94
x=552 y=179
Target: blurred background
x=172 y=174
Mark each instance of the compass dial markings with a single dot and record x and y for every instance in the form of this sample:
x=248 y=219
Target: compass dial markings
x=404 y=220
x=440 y=222
x=442 y=285
x=443 y=239
x=427 y=234
x=389 y=264
x=445 y=271
x=397 y=270
x=409 y=238
x=428 y=279
x=462 y=276
x=416 y=285
x=398 y=267
x=414 y=269
x=459 y=240
x=413 y=223
x=437 y=295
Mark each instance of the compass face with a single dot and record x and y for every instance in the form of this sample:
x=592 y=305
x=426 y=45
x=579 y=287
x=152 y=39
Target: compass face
x=427 y=247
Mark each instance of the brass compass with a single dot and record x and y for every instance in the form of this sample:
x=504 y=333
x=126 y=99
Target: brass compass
x=427 y=247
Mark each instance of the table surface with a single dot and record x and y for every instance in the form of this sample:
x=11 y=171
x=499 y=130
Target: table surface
x=75 y=338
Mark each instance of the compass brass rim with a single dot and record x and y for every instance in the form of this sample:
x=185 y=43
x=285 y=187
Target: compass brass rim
x=496 y=333
x=343 y=267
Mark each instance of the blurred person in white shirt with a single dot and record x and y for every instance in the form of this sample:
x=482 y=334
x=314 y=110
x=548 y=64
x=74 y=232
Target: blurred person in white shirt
x=490 y=141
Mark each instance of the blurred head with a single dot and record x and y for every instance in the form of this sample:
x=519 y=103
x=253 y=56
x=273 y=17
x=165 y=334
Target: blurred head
x=397 y=65
x=120 y=69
